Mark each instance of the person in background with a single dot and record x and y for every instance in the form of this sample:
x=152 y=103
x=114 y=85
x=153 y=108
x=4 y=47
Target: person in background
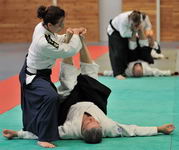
x=120 y=30
x=130 y=40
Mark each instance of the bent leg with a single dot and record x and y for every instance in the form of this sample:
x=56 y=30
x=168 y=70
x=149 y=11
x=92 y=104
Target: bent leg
x=40 y=110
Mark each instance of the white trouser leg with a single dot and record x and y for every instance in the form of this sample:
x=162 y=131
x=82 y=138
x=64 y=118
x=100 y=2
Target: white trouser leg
x=68 y=77
x=26 y=135
x=143 y=43
x=90 y=69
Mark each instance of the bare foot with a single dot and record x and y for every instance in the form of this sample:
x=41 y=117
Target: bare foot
x=120 y=77
x=46 y=144
x=166 y=129
x=9 y=134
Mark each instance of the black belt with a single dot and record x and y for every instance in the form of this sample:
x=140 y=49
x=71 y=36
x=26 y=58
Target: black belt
x=43 y=72
x=110 y=22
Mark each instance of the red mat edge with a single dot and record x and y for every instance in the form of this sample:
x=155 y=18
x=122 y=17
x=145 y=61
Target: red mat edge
x=10 y=88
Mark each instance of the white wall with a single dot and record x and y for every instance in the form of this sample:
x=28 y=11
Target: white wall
x=108 y=9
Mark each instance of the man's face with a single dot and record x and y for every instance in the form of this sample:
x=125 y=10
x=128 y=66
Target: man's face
x=90 y=122
x=138 y=70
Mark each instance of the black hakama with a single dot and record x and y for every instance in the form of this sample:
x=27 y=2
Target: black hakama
x=40 y=105
x=86 y=89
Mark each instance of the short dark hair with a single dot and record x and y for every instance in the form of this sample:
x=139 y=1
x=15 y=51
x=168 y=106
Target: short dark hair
x=136 y=16
x=92 y=136
x=50 y=14
x=137 y=76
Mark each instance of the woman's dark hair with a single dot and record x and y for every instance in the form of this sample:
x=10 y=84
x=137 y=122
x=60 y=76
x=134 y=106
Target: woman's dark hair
x=50 y=14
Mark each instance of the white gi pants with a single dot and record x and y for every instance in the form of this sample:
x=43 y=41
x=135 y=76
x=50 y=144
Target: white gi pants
x=69 y=73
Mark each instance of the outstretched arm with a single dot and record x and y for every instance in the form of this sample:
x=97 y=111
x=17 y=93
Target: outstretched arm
x=134 y=130
x=116 y=129
x=158 y=72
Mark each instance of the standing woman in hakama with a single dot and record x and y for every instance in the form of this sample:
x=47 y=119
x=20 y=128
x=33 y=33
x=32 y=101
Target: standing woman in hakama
x=39 y=97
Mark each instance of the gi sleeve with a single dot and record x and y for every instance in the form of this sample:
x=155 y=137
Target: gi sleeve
x=125 y=31
x=61 y=38
x=148 y=25
x=69 y=131
x=149 y=71
x=134 y=130
x=158 y=72
x=115 y=129
x=53 y=49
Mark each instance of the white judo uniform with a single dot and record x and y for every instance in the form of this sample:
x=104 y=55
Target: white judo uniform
x=122 y=24
x=71 y=129
x=46 y=47
x=147 y=69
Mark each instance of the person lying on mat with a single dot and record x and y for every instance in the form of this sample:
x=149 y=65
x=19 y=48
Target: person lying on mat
x=83 y=112
x=140 y=68
x=139 y=58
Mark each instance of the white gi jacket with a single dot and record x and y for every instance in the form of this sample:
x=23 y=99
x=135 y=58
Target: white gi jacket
x=122 y=24
x=46 y=47
x=71 y=128
x=147 y=70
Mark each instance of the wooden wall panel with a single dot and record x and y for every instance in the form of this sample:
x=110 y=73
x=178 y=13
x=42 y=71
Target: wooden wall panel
x=176 y=20
x=170 y=20
x=166 y=20
x=169 y=24
x=18 y=18
x=83 y=13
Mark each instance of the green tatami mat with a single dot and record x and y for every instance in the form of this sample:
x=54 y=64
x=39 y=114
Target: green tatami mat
x=143 y=101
